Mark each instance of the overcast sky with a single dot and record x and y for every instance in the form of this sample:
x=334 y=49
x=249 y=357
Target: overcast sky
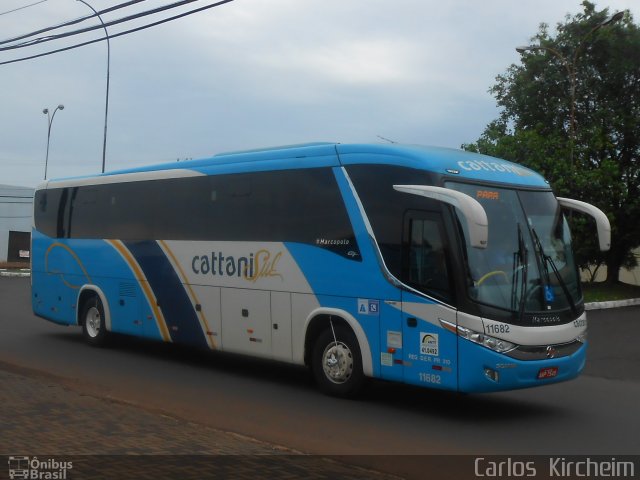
x=256 y=73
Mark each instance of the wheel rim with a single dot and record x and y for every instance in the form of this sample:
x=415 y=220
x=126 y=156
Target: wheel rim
x=92 y=322
x=337 y=362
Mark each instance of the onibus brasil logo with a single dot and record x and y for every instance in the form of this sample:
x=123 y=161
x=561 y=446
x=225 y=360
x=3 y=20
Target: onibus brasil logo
x=24 y=467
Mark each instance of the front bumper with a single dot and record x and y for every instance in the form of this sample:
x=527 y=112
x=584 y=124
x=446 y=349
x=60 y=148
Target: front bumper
x=483 y=370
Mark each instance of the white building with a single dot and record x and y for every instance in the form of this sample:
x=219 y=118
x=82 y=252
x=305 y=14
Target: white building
x=16 y=207
x=632 y=277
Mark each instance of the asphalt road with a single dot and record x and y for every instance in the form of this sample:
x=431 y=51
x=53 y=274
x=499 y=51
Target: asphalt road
x=596 y=414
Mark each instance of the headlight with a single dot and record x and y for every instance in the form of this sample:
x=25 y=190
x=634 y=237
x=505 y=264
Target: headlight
x=495 y=344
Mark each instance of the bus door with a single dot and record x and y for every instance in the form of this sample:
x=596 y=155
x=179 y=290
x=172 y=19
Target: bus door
x=430 y=351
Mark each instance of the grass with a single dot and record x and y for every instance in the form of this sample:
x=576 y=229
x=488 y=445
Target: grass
x=603 y=292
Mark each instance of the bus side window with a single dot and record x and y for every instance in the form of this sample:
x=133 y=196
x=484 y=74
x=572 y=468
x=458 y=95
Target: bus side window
x=426 y=258
x=46 y=212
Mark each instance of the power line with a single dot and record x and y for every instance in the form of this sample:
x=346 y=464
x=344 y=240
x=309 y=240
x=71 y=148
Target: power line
x=22 y=8
x=133 y=30
x=71 y=22
x=94 y=27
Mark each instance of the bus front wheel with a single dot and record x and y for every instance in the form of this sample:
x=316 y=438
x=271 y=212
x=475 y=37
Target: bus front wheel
x=337 y=363
x=93 y=325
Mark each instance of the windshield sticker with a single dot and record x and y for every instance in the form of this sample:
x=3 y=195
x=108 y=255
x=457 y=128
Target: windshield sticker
x=549 y=295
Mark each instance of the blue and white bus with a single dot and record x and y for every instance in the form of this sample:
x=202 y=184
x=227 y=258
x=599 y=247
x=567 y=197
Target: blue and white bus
x=428 y=266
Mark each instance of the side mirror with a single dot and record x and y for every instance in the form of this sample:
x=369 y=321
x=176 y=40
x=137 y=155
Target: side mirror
x=602 y=222
x=473 y=213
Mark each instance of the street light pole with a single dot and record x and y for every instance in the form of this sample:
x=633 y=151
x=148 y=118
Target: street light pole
x=571 y=71
x=106 y=104
x=50 y=118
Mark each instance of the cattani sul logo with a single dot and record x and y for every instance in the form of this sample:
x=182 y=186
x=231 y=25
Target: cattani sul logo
x=261 y=264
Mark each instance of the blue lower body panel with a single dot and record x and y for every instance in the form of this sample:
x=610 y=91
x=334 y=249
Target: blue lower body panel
x=510 y=373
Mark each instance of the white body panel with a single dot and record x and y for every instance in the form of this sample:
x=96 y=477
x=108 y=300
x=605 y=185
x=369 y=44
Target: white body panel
x=281 y=346
x=246 y=321
x=301 y=306
x=210 y=312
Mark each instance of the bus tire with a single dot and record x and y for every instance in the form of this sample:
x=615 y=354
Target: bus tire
x=337 y=362
x=93 y=321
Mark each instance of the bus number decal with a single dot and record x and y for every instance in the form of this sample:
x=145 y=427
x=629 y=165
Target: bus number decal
x=430 y=378
x=498 y=328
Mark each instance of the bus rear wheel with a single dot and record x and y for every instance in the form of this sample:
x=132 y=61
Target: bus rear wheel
x=93 y=324
x=337 y=363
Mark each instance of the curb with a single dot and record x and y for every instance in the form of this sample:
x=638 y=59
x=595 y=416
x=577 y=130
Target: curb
x=630 y=302
x=15 y=273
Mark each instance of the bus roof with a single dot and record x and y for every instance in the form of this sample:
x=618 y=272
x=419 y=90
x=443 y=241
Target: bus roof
x=446 y=161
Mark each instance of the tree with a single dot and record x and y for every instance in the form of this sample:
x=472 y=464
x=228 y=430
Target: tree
x=589 y=73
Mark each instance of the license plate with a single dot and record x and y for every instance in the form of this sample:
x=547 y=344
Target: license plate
x=548 y=372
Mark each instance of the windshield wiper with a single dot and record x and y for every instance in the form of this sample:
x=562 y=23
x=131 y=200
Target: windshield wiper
x=520 y=260
x=547 y=260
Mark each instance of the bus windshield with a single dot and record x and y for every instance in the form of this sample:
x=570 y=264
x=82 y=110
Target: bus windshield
x=528 y=265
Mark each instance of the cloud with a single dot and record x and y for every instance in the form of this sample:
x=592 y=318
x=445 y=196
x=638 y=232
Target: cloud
x=256 y=73
x=360 y=62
